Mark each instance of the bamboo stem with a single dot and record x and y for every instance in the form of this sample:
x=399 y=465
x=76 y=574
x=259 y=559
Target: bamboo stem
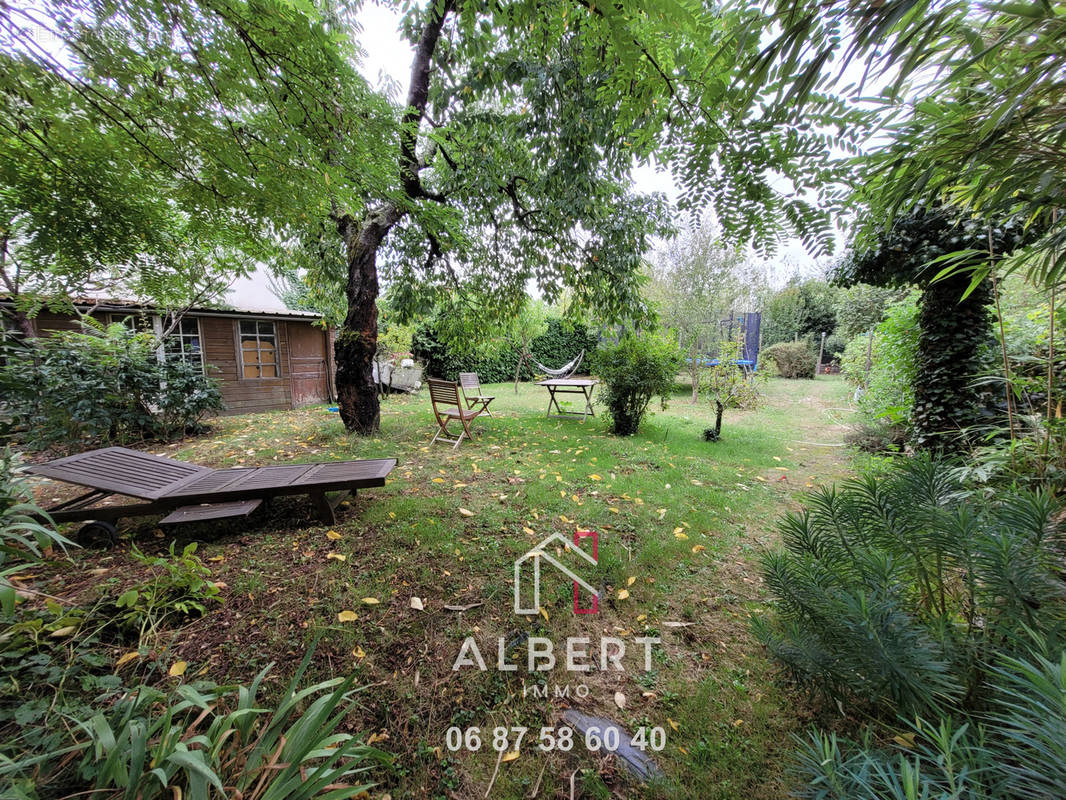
x=1051 y=329
x=1003 y=348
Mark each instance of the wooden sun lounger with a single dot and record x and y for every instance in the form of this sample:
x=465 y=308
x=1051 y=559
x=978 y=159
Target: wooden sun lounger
x=191 y=493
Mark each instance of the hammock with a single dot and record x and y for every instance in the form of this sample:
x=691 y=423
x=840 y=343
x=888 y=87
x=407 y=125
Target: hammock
x=564 y=371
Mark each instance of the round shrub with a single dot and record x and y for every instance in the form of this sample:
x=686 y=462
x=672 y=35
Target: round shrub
x=634 y=370
x=792 y=359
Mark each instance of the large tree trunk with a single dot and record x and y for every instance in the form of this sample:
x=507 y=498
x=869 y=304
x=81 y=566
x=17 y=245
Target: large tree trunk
x=21 y=319
x=357 y=340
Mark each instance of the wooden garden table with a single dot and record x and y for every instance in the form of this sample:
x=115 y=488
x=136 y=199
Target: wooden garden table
x=581 y=386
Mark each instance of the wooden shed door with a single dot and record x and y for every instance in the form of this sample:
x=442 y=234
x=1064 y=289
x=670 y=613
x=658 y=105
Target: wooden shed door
x=307 y=351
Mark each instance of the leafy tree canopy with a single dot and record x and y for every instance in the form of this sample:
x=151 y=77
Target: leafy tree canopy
x=169 y=144
x=966 y=96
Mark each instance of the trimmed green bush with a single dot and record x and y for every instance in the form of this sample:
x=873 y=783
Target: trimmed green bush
x=792 y=359
x=634 y=370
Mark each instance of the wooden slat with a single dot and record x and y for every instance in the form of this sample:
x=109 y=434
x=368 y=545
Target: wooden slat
x=239 y=484
x=123 y=471
x=201 y=513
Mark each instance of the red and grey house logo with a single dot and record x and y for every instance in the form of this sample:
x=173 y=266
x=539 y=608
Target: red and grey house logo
x=527 y=572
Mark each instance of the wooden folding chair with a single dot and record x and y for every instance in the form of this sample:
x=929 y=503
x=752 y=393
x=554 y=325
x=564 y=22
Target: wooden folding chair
x=472 y=392
x=444 y=396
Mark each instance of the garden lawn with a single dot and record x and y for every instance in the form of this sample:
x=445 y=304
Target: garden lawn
x=680 y=522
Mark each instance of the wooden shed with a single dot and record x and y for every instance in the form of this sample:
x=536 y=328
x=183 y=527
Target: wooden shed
x=263 y=360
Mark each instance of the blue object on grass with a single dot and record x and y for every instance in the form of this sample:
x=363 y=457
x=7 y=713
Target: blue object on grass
x=334 y=409
x=713 y=362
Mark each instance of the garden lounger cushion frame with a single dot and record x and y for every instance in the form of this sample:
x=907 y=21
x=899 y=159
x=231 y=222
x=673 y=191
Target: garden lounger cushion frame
x=188 y=492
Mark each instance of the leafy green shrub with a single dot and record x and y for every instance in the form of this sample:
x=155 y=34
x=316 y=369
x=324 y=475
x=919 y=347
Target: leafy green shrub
x=861 y=307
x=105 y=386
x=898 y=590
x=205 y=740
x=179 y=587
x=888 y=396
x=729 y=387
x=53 y=668
x=792 y=359
x=636 y=369
x=24 y=534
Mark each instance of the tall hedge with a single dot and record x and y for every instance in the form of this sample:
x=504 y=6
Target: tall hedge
x=556 y=347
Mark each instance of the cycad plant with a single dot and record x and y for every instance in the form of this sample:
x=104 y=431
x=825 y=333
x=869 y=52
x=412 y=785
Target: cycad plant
x=1015 y=750
x=899 y=591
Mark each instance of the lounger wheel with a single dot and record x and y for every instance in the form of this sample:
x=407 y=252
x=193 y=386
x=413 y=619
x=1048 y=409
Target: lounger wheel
x=98 y=534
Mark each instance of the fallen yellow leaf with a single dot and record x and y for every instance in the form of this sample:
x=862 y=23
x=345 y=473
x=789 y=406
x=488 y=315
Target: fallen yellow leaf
x=672 y=724
x=905 y=740
x=127 y=658
x=177 y=669
x=698 y=548
x=623 y=594
x=337 y=556
x=595 y=477
x=631 y=580
x=332 y=535
x=510 y=756
x=370 y=601
x=358 y=652
x=347 y=616
x=466 y=512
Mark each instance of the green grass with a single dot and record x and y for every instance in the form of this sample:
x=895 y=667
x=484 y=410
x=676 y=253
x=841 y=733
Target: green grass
x=680 y=523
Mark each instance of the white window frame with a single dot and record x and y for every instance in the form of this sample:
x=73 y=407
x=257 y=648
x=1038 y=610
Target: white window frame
x=182 y=354
x=157 y=330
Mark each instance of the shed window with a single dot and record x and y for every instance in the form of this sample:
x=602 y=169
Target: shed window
x=184 y=344
x=259 y=349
